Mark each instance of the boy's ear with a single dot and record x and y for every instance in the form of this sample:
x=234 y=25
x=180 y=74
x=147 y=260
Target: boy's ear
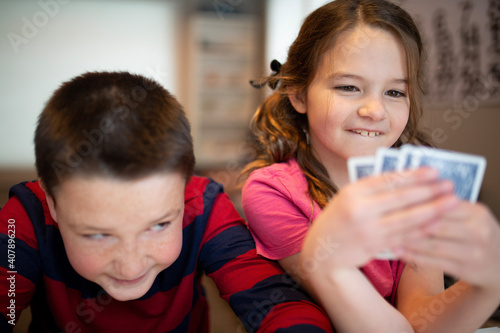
x=50 y=201
x=298 y=100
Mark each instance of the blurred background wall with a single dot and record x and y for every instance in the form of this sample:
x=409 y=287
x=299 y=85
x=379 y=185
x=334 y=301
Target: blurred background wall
x=47 y=42
x=205 y=51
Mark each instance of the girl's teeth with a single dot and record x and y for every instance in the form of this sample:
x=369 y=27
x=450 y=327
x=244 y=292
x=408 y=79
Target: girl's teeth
x=366 y=133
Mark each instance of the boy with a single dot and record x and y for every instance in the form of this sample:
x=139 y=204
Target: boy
x=115 y=234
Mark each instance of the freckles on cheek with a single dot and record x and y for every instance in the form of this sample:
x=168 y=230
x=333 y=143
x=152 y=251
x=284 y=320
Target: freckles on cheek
x=168 y=252
x=87 y=263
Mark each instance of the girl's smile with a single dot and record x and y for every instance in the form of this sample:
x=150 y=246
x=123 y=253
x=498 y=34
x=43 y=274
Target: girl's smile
x=366 y=132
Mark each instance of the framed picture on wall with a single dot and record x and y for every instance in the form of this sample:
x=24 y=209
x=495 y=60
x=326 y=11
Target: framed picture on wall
x=462 y=39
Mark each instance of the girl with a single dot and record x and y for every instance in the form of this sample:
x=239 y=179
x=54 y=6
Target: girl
x=352 y=84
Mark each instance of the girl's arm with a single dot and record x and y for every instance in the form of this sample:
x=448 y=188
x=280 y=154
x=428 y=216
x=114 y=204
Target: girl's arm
x=460 y=308
x=428 y=227
x=363 y=219
x=349 y=298
x=466 y=244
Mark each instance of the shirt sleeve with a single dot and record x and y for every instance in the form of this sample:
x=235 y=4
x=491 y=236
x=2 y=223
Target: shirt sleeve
x=19 y=263
x=263 y=297
x=278 y=214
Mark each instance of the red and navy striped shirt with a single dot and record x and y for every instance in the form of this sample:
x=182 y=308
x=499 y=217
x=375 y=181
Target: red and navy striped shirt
x=215 y=242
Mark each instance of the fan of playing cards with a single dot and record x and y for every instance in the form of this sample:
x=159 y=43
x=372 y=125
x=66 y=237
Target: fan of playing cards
x=465 y=170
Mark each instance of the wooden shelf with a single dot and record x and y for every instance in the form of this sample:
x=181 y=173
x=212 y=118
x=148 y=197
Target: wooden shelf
x=222 y=58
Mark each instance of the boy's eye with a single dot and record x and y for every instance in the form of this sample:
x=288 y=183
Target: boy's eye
x=395 y=93
x=95 y=236
x=347 y=88
x=160 y=226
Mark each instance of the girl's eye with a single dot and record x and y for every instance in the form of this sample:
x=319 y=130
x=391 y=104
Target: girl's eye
x=347 y=88
x=160 y=226
x=395 y=93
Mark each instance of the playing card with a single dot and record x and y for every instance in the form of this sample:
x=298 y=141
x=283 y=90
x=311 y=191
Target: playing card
x=465 y=170
x=404 y=158
x=386 y=160
x=386 y=255
x=488 y=330
x=360 y=167
x=363 y=166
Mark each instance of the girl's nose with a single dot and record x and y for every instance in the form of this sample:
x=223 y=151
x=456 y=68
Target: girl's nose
x=373 y=109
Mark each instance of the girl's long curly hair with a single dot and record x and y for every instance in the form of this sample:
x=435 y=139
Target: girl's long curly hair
x=281 y=132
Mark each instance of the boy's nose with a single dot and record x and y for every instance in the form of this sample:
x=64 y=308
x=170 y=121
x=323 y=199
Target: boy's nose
x=129 y=264
x=373 y=109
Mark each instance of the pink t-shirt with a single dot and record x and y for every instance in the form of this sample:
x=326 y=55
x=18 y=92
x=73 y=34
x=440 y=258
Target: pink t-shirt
x=279 y=211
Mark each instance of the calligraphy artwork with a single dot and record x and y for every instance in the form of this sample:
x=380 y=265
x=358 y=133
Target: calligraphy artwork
x=462 y=41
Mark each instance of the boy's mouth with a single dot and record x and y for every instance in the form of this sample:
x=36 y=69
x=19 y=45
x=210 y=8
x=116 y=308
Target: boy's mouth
x=129 y=282
x=367 y=133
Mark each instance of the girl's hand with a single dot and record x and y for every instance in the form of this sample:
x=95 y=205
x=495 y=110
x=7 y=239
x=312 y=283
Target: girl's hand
x=375 y=214
x=464 y=243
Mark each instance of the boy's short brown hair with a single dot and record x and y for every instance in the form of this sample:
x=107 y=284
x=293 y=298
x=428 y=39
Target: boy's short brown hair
x=111 y=124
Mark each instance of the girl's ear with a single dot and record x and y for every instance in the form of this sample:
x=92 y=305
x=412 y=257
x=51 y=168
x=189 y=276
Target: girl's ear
x=50 y=201
x=298 y=100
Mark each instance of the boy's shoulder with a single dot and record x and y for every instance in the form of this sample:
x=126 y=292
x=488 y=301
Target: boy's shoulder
x=200 y=195
x=198 y=186
x=31 y=197
x=27 y=188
